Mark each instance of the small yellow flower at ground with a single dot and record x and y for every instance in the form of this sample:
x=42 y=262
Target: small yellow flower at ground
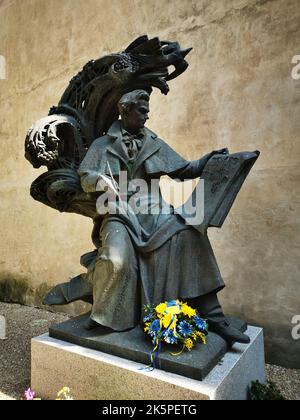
x=64 y=390
x=189 y=344
x=160 y=309
x=187 y=310
x=64 y=394
x=168 y=323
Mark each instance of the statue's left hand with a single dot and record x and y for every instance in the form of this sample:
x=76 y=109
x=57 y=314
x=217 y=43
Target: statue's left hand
x=224 y=151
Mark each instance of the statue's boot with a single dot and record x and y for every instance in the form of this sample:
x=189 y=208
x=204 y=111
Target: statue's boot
x=78 y=288
x=90 y=324
x=227 y=331
x=210 y=309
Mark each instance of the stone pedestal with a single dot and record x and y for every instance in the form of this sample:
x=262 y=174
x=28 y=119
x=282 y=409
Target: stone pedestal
x=91 y=374
x=136 y=346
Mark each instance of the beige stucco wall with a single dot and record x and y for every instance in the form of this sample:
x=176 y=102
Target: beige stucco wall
x=238 y=92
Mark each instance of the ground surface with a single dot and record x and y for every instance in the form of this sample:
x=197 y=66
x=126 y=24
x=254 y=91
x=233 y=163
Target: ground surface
x=24 y=322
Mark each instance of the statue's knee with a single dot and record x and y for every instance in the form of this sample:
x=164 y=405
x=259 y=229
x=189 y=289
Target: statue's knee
x=117 y=262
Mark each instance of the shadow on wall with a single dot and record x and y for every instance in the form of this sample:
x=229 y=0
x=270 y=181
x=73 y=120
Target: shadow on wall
x=17 y=289
x=282 y=340
x=13 y=289
x=278 y=338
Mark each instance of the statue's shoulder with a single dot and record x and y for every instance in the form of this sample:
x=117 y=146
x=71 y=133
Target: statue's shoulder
x=165 y=159
x=164 y=148
x=102 y=142
x=155 y=137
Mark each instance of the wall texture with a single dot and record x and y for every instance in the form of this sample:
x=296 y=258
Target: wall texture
x=238 y=92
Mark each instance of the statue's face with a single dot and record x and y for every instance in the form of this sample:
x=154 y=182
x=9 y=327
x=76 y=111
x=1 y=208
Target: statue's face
x=134 y=120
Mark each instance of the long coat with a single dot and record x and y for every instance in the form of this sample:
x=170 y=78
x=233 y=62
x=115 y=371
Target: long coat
x=145 y=258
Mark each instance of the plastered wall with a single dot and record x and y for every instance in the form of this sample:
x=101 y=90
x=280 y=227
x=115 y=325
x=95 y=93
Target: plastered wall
x=238 y=92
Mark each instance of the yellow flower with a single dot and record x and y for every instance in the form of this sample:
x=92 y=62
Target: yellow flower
x=146 y=329
x=187 y=310
x=173 y=310
x=168 y=323
x=64 y=390
x=64 y=394
x=189 y=344
x=194 y=336
x=160 y=309
x=202 y=336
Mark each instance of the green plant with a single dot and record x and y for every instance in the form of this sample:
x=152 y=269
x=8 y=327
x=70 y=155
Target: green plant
x=265 y=392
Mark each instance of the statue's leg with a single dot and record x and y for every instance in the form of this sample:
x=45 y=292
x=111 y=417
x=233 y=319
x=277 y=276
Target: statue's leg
x=114 y=277
x=75 y=289
x=78 y=288
x=209 y=308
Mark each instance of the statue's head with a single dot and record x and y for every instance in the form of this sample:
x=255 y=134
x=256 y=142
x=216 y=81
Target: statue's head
x=134 y=109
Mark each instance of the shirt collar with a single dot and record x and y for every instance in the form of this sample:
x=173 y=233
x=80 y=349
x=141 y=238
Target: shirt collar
x=126 y=133
x=115 y=130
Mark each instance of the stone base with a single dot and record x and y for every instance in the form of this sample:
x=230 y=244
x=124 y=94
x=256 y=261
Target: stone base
x=94 y=375
x=135 y=345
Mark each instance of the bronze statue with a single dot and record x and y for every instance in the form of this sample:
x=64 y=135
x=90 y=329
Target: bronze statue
x=141 y=257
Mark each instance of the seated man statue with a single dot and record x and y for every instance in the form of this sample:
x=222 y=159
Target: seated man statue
x=152 y=256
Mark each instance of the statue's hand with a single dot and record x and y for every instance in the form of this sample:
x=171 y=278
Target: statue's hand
x=207 y=157
x=224 y=151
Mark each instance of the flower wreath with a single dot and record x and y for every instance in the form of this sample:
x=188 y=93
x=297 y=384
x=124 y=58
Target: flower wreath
x=174 y=322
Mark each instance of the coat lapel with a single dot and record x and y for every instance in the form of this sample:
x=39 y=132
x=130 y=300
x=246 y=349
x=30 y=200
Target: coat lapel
x=149 y=147
x=116 y=147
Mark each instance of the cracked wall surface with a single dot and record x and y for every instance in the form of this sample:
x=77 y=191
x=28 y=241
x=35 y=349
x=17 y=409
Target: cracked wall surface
x=238 y=92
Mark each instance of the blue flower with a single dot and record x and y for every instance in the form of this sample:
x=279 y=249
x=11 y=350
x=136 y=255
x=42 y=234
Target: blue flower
x=185 y=329
x=154 y=327
x=148 y=317
x=169 y=337
x=201 y=324
x=172 y=303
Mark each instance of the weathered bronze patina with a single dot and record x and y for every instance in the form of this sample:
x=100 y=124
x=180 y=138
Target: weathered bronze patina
x=139 y=258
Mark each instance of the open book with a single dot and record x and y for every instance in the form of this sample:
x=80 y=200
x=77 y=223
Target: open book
x=223 y=178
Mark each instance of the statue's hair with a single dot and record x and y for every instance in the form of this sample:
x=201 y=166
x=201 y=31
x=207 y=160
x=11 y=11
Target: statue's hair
x=131 y=98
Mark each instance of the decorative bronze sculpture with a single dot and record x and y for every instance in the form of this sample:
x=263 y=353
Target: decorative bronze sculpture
x=140 y=258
